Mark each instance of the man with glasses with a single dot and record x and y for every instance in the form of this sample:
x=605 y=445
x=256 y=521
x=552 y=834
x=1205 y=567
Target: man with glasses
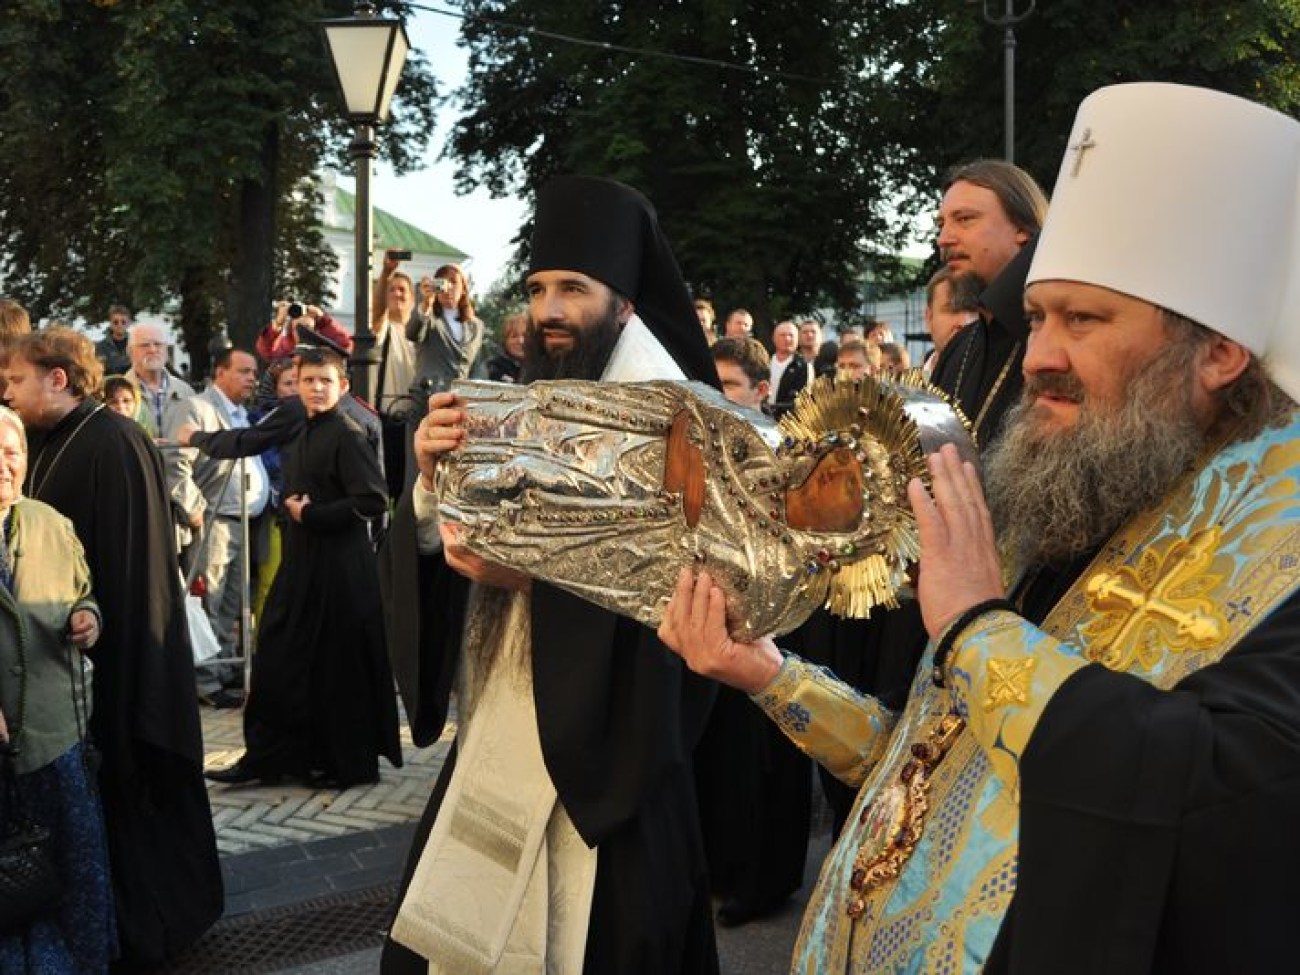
x=147 y=347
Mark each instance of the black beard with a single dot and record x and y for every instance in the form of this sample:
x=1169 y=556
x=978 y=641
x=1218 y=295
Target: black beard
x=1056 y=495
x=593 y=344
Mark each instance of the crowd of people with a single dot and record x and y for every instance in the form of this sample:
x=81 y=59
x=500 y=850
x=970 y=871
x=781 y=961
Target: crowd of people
x=1076 y=731
x=796 y=352
x=123 y=488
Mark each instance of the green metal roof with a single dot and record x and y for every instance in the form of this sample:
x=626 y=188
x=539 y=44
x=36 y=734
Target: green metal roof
x=391 y=231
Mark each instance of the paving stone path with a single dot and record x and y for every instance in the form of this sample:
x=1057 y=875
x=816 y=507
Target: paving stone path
x=261 y=817
x=286 y=847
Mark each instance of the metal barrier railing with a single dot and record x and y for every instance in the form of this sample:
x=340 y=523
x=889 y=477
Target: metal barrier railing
x=245 y=640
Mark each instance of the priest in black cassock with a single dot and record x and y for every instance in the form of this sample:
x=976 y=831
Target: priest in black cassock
x=321 y=706
x=989 y=220
x=563 y=834
x=101 y=471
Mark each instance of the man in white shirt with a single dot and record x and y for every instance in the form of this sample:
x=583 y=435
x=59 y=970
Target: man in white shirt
x=790 y=372
x=210 y=496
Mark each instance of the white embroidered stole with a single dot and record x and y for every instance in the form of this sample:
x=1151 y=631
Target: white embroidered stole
x=504 y=884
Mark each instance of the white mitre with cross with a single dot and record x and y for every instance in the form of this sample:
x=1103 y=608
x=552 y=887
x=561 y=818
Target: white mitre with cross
x=1189 y=199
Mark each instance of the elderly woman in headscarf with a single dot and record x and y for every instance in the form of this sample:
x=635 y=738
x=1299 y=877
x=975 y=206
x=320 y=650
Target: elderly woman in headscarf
x=48 y=619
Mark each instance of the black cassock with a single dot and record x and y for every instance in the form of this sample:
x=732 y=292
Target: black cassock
x=755 y=791
x=981 y=366
x=618 y=716
x=101 y=471
x=322 y=698
x=1157 y=827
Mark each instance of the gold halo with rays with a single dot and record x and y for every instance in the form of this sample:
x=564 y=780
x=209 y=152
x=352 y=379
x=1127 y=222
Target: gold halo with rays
x=833 y=412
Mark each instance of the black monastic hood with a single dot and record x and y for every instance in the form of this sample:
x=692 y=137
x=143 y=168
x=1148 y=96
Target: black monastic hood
x=610 y=232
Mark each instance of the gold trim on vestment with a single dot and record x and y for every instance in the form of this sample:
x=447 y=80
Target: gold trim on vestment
x=1008 y=682
x=1168 y=591
x=483 y=829
x=895 y=820
x=1173 y=591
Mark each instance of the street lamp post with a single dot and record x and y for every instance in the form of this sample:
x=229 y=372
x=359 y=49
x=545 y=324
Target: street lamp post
x=367 y=52
x=1008 y=21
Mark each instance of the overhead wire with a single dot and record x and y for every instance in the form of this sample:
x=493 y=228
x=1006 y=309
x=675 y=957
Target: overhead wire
x=625 y=49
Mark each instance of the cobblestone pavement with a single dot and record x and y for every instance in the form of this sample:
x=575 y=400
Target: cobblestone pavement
x=310 y=874
x=260 y=817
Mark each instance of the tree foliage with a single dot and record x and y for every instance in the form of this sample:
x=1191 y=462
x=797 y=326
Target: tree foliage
x=767 y=181
x=1069 y=48
x=161 y=153
x=783 y=184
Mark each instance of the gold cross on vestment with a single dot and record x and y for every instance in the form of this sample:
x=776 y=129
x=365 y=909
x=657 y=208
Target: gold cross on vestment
x=1170 y=590
x=1079 y=148
x=1008 y=681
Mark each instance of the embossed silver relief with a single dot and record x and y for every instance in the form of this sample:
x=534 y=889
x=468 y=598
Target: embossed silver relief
x=608 y=489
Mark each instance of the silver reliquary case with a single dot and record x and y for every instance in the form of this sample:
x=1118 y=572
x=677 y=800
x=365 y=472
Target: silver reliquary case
x=609 y=489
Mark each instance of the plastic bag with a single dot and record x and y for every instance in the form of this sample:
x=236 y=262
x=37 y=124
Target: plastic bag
x=203 y=639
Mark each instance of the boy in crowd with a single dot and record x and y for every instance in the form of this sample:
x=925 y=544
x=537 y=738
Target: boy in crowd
x=321 y=706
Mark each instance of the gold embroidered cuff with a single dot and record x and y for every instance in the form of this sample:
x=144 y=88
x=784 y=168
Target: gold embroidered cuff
x=841 y=729
x=1003 y=671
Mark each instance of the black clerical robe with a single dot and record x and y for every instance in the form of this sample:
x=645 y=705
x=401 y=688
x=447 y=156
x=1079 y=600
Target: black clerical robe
x=279 y=426
x=1172 y=812
x=755 y=791
x=102 y=472
x=981 y=366
x=618 y=716
x=322 y=698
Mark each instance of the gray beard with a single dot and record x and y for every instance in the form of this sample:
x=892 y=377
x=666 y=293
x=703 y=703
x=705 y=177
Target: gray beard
x=484 y=642
x=1056 y=495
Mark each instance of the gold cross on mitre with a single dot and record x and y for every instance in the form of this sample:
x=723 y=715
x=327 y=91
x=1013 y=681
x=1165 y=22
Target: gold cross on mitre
x=1079 y=148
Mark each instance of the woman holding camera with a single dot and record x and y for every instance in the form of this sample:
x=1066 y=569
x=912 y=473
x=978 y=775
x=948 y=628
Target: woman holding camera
x=280 y=337
x=446 y=333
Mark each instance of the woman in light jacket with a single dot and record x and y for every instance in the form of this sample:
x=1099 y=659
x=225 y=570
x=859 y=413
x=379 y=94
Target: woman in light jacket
x=47 y=619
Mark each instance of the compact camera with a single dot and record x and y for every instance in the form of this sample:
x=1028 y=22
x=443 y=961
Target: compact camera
x=296 y=310
x=426 y=386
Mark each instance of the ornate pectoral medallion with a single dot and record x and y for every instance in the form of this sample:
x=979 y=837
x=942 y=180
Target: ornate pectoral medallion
x=896 y=817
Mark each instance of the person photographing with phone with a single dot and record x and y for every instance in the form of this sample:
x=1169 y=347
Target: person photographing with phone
x=428 y=338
